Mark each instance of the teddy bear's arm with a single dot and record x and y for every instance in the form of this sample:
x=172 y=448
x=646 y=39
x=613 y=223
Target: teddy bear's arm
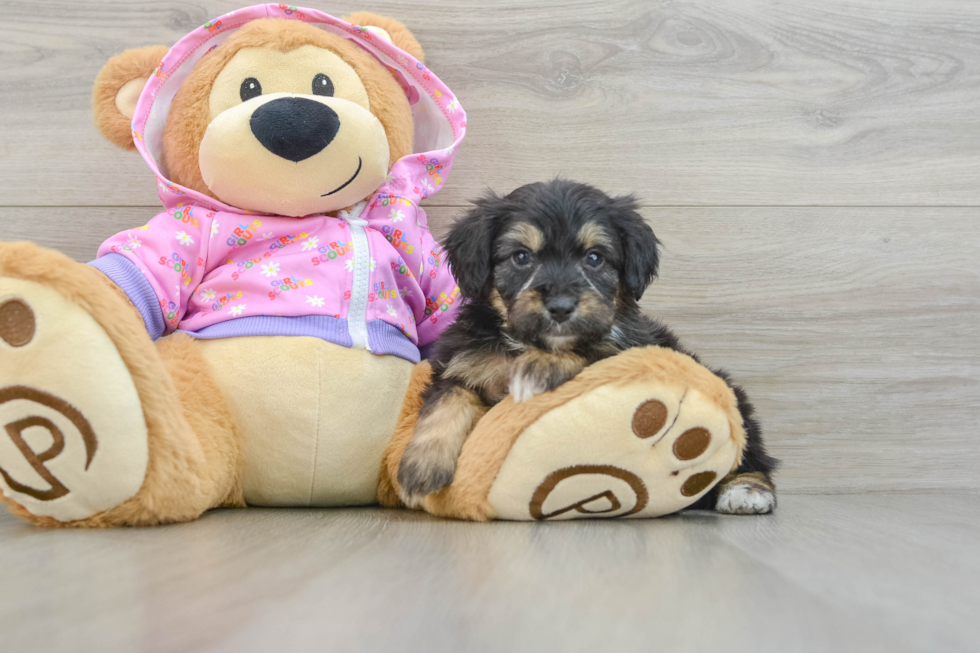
x=159 y=265
x=441 y=292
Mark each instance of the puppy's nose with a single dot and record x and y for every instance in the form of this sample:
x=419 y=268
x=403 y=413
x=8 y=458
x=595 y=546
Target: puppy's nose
x=561 y=307
x=294 y=128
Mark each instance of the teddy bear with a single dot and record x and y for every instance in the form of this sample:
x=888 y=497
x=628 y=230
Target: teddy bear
x=262 y=340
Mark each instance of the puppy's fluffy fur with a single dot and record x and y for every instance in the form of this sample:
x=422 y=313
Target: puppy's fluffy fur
x=552 y=274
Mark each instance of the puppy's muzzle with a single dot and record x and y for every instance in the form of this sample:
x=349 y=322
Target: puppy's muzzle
x=559 y=294
x=561 y=307
x=294 y=128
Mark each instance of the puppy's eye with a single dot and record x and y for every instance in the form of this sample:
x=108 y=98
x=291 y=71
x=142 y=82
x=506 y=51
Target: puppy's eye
x=593 y=259
x=322 y=85
x=250 y=88
x=521 y=257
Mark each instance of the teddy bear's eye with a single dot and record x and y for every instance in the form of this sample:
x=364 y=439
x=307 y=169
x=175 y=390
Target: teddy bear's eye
x=322 y=85
x=250 y=88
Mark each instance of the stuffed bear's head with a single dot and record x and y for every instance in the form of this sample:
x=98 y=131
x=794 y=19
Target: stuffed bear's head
x=282 y=117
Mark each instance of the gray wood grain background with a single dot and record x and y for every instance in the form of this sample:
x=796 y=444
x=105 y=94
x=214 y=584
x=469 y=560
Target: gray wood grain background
x=813 y=169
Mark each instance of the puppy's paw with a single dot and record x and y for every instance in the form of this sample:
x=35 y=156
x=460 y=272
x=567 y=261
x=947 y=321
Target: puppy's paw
x=425 y=468
x=525 y=384
x=538 y=371
x=746 y=494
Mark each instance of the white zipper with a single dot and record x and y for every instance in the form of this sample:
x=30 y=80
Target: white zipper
x=357 y=309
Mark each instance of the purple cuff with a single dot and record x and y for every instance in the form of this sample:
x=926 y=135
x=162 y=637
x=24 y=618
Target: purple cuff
x=127 y=276
x=387 y=339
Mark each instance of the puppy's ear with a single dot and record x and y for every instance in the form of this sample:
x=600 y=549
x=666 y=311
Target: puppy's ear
x=118 y=87
x=469 y=245
x=395 y=32
x=640 y=247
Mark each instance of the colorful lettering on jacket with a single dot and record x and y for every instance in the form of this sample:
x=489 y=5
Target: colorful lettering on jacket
x=285 y=241
x=221 y=302
x=380 y=291
x=387 y=199
x=291 y=9
x=442 y=303
x=179 y=265
x=400 y=267
x=243 y=233
x=159 y=74
x=434 y=259
x=171 y=312
x=185 y=215
x=397 y=238
x=432 y=166
x=331 y=252
x=287 y=284
x=247 y=264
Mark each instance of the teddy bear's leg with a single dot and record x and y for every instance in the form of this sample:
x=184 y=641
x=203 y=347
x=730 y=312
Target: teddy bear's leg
x=645 y=433
x=100 y=426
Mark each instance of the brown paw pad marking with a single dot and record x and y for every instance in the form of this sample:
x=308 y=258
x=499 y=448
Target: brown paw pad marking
x=692 y=443
x=15 y=430
x=649 y=418
x=16 y=322
x=596 y=504
x=697 y=483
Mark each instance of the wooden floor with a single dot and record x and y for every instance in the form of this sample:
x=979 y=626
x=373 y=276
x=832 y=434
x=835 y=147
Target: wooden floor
x=813 y=169
x=868 y=573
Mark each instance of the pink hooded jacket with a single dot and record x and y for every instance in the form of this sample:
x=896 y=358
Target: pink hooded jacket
x=373 y=278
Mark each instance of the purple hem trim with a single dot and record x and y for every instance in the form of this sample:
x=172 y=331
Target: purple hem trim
x=127 y=275
x=383 y=338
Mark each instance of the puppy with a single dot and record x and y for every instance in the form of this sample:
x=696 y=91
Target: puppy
x=552 y=274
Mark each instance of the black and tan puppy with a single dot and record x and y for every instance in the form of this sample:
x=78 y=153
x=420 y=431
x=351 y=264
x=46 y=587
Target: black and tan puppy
x=552 y=274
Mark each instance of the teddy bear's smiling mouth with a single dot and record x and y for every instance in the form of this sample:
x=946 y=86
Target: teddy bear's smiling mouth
x=346 y=183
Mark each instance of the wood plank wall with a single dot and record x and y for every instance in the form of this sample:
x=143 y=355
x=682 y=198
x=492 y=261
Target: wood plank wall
x=813 y=169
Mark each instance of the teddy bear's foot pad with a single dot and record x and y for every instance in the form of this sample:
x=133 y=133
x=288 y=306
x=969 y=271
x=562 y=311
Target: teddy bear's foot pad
x=73 y=440
x=650 y=448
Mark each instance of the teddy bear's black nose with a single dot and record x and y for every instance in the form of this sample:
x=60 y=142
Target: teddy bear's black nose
x=294 y=128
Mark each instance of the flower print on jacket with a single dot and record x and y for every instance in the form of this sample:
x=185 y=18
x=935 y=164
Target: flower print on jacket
x=270 y=269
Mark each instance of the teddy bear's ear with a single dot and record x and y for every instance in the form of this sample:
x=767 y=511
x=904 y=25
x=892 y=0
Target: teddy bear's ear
x=397 y=33
x=118 y=87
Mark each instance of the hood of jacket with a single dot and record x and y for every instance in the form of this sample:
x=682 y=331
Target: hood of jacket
x=440 y=122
